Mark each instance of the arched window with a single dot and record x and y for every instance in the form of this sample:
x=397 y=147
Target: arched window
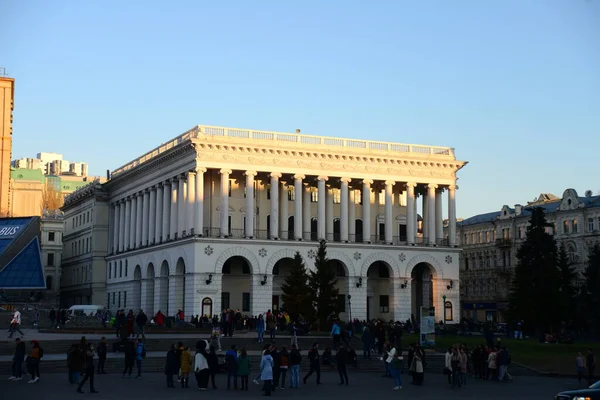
x=207 y=307
x=572 y=253
x=448 y=311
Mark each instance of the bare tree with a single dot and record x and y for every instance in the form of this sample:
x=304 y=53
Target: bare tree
x=51 y=199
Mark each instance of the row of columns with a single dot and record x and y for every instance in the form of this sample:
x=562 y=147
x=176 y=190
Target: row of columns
x=174 y=208
x=165 y=211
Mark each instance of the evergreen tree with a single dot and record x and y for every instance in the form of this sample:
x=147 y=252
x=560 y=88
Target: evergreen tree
x=296 y=295
x=568 y=294
x=322 y=283
x=591 y=289
x=534 y=296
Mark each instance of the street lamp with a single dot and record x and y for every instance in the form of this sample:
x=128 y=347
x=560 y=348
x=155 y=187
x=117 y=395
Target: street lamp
x=444 y=305
x=349 y=309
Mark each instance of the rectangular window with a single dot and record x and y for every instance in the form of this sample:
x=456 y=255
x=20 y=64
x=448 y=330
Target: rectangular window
x=230 y=185
x=565 y=226
x=115 y=271
x=120 y=272
x=113 y=298
x=384 y=304
x=381 y=196
x=357 y=197
x=109 y=272
x=314 y=195
x=73 y=220
x=126 y=269
x=337 y=196
x=51 y=236
x=246 y=302
x=124 y=299
x=590 y=224
x=574 y=225
x=107 y=300
x=50 y=262
x=341 y=303
x=225 y=300
x=268 y=192
x=291 y=191
x=119 y=304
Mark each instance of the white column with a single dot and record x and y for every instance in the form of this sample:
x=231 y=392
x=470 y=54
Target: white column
x=158 y=226
x=283 y=210
x=351 y=216
x=199 y=213
x=190 y=198
x=389 y=202
x=133 y=221
x=138 y=219
x=344 y=209
x=306 y=212
x=224 y=214
x=367 y=223
x=439 y=217
x=122 y=206
x=275 y=205
x=152 y=216
x=249 y=233
x=166 y=217
x=329 y=213
x=431 y=212
x=126 y=241
x=298 y=217
x=322 y=189
x=181 y=206
x=411 y=228
x=115 y=245
x=452 y=215
x=173 y=213
x=145 y=219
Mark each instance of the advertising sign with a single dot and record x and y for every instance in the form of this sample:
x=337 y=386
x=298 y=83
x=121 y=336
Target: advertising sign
x=427 y=334
x=9 y=232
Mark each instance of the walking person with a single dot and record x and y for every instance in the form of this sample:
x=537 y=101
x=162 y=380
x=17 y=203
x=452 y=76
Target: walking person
x=17 y=364
x=580 y=364
x=140 y=321
x=89 y=370
x=260 y=328
x=591 y=366
x=140 y=354
x=266 y=372
x=15 y=324
x=244 y=369
x=185 y=367
x=396 y=367
x=315 y=363
x=448 y=365
x=341 y=357
x=295 y=360
x=102 y=353
x=201 y=365
x=33 y=362
x=171 y=366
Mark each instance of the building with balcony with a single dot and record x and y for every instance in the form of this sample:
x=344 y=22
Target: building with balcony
x=490 y=243
x=211 y=220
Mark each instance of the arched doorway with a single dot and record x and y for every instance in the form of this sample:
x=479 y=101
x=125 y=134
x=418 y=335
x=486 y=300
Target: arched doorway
x=136 y=304
x=314 y=229
x=177 y=288
x=341 y=272
x=380 y=293
x=422 y=277
x=358 y=231
x=281 y=269
x=148 y=307
x=207 y=307
x=161 y=289
x=336 y=230
x=236 y=284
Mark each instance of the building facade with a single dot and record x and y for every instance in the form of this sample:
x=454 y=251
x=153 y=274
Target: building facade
x=51 y=246
x=52 y=164
x=490 y=243
x=85 y=235
x=7 y=95
x=211 y=220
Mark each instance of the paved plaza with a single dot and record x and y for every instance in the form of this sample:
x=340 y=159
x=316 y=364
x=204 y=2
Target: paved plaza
x=362 y=385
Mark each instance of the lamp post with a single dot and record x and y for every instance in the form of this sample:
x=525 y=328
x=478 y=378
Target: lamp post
x=444 y=305
x=349 y=309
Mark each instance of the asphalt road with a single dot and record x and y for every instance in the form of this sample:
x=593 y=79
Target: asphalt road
x=365 y=385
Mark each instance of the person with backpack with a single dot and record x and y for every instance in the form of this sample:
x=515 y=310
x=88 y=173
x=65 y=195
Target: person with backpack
x=140 y=354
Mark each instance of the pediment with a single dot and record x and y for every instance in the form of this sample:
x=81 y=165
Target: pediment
x=230 y=208
x=505 y=213
x=570 y=200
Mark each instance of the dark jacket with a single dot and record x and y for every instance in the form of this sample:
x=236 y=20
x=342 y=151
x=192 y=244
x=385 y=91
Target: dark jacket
x=213 y=362
x=231 y=360
x=141 y=319
x=295 y=357
x=19 y=352
x=172 y=364
x=129 y=352
x=313 y=356
x=341 y=357
x=102 y=350
x=89 y=361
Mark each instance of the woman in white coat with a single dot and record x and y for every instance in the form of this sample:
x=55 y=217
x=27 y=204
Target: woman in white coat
x=266 y=372
x=201 y=365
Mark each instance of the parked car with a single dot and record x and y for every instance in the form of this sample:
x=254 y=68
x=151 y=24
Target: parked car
x=591 y=393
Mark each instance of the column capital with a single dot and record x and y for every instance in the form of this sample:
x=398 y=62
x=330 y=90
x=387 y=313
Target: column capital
x=322 y=178
x=440 y=189
x=191 y=173
x=452 y=187
x=200 y=170
x=345 y=180
x=173 y=179
x=432 y=186
x=275 y=175
x=146 y=190
x=390 y=183
x=299 y=176
x=225 y=171
x=250 y=173
x=153 y=187
x=367 y=182
x=411 y=184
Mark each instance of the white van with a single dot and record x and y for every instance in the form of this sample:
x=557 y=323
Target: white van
x=84 y=310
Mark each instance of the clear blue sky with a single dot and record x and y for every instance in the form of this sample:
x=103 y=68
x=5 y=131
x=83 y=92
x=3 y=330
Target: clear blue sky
x=513 y=85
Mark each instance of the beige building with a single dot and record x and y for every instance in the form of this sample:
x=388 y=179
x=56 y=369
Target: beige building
x=51 y=246
x=490 y=243
x=7 y=94
x=211 y=220
x=85 y=235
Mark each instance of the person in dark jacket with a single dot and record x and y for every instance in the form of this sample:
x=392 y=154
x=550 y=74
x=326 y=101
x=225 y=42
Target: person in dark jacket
x=213 y=365
x=140 y=321
x=232 y=367
x=102 y=352
x=341 y=357
x=295 y=360
x=315 y=363
x=18 y=358
x=172 y=366
x=89 y=370
x=129 y=358
x=367 y=340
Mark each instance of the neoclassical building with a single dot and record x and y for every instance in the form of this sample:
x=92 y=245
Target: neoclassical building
x=211 y=220
x=490 y=243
